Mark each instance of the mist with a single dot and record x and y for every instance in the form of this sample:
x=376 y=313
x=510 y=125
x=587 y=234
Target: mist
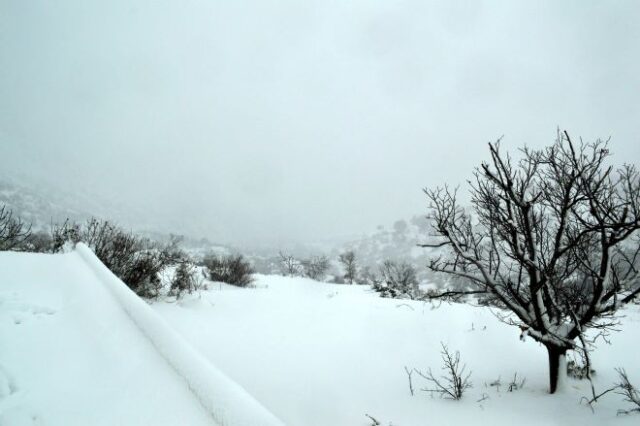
x=271 y=121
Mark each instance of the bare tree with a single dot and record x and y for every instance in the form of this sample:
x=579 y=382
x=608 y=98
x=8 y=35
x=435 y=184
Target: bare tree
x=348 y=261
x=13 y=231
x=316 y=267
x=543 y=240
x=289 y=265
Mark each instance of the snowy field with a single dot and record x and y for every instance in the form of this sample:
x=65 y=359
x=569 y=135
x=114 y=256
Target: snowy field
x=73 y=352
x=326 y=354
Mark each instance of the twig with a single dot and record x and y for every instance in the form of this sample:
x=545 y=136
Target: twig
x=373 y=419
x=409 y=373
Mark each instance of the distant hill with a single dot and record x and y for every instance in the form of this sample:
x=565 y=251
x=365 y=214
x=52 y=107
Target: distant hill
x=42 y=205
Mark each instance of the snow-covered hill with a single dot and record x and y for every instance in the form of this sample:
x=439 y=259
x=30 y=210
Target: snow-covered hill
x=398 y=242
x=42 y=205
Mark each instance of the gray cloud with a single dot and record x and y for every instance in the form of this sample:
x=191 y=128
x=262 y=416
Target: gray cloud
x=266 y=121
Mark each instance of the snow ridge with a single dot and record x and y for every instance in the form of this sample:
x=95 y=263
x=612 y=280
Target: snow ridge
x=226 y=401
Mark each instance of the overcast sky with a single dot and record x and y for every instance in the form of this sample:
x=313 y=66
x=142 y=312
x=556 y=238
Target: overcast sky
x=269 y=121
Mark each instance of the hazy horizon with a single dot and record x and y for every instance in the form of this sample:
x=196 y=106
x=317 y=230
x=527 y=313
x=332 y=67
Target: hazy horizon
x=264 y=121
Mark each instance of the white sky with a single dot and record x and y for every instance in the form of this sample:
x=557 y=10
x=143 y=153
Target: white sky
x=269 y=121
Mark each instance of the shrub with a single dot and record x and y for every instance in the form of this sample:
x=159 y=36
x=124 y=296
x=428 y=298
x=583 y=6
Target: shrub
x=38 y=242
x=68 y=232
x=232 y=269
x=455 y=380
x=185 y=280
x=13 y=231
x=289 y=265
x=137 y=261
x=579 y=370
x=630 y=393
x=400 y=279
x=316 y=267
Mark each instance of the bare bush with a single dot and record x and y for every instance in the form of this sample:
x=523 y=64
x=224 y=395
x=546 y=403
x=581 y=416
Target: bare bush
x=13 y=231
x=315 y=267
x=516 y=384
x=400 y=280
x=289 y=265
x=630 y=393
x=233 y=269
x=66 y=233
x=37 y=242
x=455 y=380
x=579 y=370
x=135 y=260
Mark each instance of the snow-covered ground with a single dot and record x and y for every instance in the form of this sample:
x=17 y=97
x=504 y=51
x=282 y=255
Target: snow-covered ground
x=324 y=354
x=77 y=349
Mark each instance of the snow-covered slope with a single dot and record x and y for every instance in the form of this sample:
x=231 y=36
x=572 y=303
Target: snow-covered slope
x=323 y=354
x=78 y=348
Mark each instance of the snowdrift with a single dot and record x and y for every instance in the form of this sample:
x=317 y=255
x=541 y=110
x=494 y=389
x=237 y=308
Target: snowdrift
x=226 y=401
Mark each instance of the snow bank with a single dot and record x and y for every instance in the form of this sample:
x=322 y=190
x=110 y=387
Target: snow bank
x=227 y=402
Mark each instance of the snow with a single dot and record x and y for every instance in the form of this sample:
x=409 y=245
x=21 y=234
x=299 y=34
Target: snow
x=323 y=354
x=78 y=348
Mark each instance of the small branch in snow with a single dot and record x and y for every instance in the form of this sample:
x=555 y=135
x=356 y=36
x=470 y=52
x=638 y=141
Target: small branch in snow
x=405 y=305
x=455 y=381
x=409 y=373
x=373 y=419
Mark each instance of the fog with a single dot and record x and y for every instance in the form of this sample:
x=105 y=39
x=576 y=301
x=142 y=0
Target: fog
x=270 y=121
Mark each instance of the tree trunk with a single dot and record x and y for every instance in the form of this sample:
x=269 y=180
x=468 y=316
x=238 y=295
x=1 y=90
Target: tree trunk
x=557 y=367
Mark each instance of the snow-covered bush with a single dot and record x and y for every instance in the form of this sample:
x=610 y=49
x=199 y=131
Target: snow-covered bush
x=578 y=370
x=398 y=280
x=186 y=279
x=233 y=269
x=137 y=261
x=68 y=232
